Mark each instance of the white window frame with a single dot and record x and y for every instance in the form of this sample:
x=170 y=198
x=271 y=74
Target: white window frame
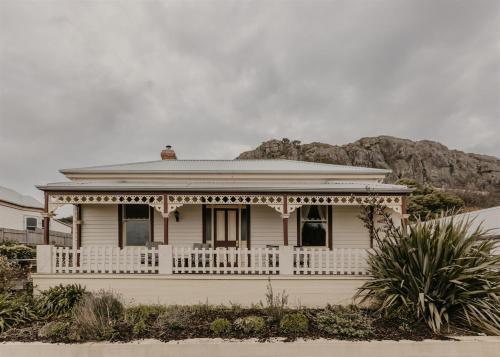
x=26 y=223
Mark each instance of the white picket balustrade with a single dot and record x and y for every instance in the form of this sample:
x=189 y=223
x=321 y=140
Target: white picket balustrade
x=185 y=260
x=103 y=259
x=338 y=261
x=225 y=260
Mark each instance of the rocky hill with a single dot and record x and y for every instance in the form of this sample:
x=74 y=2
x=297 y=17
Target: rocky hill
x=426 y=161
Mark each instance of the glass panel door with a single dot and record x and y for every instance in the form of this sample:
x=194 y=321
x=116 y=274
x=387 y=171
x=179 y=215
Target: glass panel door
x=226 y=227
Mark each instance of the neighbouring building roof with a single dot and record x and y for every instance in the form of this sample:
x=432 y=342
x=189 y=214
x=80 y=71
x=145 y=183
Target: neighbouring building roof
x=14 y=197
x=227 y=186
x=488 y=218
x=228 y=166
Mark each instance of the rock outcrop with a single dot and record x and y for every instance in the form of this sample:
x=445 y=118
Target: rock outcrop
x=426 y=161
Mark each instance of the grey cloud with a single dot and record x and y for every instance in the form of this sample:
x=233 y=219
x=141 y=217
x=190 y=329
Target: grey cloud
x=85 y=83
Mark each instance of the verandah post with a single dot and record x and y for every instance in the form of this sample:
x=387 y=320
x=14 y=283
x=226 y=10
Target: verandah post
x=285 y=220
x=46 y=221
x=165 y=219
x=165 y=259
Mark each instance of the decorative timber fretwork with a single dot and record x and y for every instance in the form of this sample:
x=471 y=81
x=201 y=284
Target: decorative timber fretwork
x=58 y=200
x=275 y=201
x=392 y=202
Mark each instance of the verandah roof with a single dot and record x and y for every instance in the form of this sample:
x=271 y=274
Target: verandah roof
x=227 y=186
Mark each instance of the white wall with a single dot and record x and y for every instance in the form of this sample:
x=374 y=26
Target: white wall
x=266 y=227
x=100 y=225
x=158 y=227
x=189 y=228
x=309 y=290
x=347 y=229
x=59 y=227
x=14 y=218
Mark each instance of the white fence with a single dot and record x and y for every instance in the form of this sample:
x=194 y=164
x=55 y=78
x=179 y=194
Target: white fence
x=97 y=259
x=225 y=260
x=182 y=260
x=338 y=261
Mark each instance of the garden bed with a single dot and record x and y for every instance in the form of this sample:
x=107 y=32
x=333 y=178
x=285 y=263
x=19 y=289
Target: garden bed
x=70 y=315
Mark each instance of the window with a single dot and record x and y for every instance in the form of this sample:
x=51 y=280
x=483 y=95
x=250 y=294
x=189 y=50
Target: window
x=31 y=223
x=207 y=212
x=313 y=226
x=136 y=220
x=244 y=225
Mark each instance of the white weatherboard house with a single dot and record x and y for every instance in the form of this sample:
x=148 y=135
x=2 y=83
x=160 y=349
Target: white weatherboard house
x=189 y=231
x=22 y=212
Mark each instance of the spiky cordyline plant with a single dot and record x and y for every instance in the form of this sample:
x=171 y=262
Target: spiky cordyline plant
x=442 y=272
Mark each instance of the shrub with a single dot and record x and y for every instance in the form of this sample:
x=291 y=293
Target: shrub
x=17 y=251
x=294 y=324
x=443 y=272
x=59 y=300
x=9 y=273
x=276 y=303
x=14 y=310
x=427 y=202
x=139 y=328
x=143 y=313
x=96 y=315
x=250 y=324
x=54 y=330
x=220 y=326
x=344 y=322
x=174 y=318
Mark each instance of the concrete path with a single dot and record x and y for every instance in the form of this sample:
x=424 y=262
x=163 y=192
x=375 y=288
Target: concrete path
x=467 y=346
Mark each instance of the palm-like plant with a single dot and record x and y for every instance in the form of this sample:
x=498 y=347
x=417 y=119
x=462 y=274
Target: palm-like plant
x=441 y=272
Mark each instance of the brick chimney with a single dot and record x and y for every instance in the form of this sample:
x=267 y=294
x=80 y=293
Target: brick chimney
x=168 y=153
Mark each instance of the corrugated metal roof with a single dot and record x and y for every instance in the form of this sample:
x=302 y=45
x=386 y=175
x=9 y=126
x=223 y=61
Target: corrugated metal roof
x=488 y=218
x=228 y=166
x=226 y=186
x=14 y=197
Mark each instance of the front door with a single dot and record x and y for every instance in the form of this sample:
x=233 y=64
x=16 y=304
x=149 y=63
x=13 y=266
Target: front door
x=226 y=227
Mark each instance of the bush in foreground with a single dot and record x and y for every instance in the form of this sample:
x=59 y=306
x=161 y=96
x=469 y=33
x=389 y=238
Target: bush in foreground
x=347 y=322
x=294 y=324
x=440 y=273
x=9 y=273
x=14 y=310
x=96 y=315
x=174 y=318
x=251 y=324
x=59 y=300
x=220 y=327
x=13 y=250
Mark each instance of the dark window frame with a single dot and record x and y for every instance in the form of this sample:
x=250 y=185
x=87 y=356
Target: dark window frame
x=326 y=226
x=30 y=227
x=127 y=209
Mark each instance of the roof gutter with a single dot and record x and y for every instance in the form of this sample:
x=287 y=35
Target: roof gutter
x=218 y=189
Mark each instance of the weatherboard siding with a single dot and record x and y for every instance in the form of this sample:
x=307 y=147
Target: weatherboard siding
x=347 y=229
x=158 y=227
x=100 y=225
x=188 y=230
x=266 y=227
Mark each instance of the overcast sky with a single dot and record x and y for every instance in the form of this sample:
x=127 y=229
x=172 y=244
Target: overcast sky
x=85 y=83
